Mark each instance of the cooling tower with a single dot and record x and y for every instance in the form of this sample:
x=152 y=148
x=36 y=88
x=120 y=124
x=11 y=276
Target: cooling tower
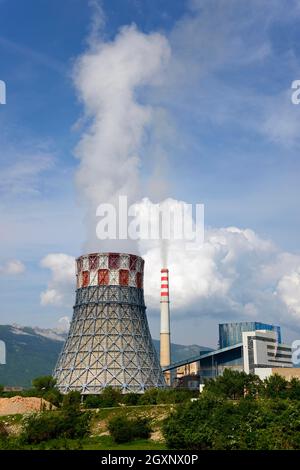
x=109 y=342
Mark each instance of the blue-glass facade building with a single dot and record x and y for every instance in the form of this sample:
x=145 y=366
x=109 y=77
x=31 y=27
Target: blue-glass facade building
x=230 y=351
x=231 y=333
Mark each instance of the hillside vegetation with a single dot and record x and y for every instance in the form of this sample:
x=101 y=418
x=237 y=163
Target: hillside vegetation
x=235 y=411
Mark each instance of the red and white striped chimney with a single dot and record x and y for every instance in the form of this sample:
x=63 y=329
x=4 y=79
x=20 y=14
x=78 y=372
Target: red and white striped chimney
x=165 y=343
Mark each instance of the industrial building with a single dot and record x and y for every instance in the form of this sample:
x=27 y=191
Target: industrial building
x=253 y=347
x=109 y=342
x=231 y=333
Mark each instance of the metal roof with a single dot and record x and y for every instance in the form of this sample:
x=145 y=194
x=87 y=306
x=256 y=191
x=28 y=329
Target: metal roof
x=204 y=354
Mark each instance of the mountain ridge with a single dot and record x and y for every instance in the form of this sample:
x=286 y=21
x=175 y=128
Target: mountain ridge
x=33 y=351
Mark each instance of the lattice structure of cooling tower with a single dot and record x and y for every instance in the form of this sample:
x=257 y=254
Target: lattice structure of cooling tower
x=109 y=342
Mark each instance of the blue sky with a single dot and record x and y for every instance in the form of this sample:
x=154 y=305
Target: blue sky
x=225 y=125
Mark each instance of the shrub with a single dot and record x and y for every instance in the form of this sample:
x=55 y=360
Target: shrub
x=42 y=427
x=76 y=425
x=120 y=429
x=69 y=423
x=131 y=399
x=175 y=395
x=141 y=428
x=149 y=397
x=155 y=396
x=123 y=429
x=92 y=401
x=110 y=397
x=54 y=397
x=71 y=401
x=3 y=431
x=45 y=382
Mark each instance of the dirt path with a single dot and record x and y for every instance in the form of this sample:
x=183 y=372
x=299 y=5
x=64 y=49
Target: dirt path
x=20 y=405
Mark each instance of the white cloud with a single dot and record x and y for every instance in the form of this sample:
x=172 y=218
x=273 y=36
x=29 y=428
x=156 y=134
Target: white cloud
x=23 y=175
x=236 y=75
x=289 y=291
x=63 y=324
x=12 y=267
x=51 y=296
x=61 y=285
x=108 y=78
x=235 y=274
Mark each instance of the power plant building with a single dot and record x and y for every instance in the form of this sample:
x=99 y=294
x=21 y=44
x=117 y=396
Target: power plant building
x=231 y=333
x=109 y=341
x=257 y=351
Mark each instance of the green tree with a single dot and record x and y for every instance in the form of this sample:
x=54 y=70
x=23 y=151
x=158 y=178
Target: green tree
x=92 y=401
x=141 y=427
x=120 y=429
x=44 y=383
x=53 y=396
x=230 y=385
x=123 y=429
x=131 y=399
x=217 y=423
x=72 y=401
x=110 y=397
x=294 y=389
x=253 y=385
x=150 y=397
x=41 y=427
x=189 y=426
x=276 y=386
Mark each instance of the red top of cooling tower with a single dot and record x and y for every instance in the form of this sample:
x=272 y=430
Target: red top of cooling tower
x=117 y=269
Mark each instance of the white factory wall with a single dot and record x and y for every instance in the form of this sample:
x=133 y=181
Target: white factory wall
x=258 y=347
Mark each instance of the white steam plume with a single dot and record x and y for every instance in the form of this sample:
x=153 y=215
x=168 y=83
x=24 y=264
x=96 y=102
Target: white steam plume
x=108 y=78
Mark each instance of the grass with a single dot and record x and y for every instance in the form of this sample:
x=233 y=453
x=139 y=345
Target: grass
x=89 y=443
x=11 y=419
x=106 y=443
x=152 y=411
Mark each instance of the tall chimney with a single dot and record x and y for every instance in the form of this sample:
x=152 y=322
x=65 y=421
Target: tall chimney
x=165 y=344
